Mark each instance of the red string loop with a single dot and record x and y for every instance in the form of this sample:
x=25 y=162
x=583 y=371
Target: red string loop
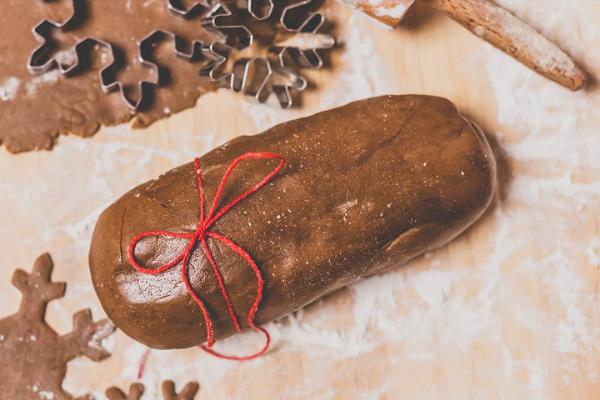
x=200 y=236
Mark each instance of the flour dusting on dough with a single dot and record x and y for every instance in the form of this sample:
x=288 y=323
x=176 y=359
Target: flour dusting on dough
x=32 y=85
x=9 y=89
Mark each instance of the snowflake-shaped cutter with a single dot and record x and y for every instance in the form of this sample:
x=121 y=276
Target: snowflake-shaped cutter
x=259 y=76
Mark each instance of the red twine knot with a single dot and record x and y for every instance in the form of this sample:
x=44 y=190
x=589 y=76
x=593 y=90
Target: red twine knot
x=200 y=235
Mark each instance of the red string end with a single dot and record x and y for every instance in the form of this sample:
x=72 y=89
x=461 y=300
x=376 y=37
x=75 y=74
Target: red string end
x=142 y=364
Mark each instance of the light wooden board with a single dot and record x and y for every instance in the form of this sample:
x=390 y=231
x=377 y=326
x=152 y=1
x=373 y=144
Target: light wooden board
x=510 y=310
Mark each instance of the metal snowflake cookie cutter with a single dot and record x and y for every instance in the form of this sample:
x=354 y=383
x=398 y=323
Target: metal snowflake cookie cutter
x=109 y=75
x=260 y=9
x=177 y=7
x=301 y=51
x=275 y=72
x=40 y=60
x=236 y=36
x=255 y=77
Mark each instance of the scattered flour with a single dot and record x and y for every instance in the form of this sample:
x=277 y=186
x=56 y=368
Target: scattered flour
x=9 y=89
x=46 y=395
x=32 y=85
x=347 y=206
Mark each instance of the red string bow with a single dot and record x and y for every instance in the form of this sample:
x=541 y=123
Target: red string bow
x=201 y=235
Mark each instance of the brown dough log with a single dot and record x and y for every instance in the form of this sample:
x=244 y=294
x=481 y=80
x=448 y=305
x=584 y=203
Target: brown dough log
x=366 y=188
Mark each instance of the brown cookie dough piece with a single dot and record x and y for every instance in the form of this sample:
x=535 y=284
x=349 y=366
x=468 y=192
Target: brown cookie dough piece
x=33 y=357
x=366 y=188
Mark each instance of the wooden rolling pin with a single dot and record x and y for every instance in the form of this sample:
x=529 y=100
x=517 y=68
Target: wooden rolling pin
x=497 y=26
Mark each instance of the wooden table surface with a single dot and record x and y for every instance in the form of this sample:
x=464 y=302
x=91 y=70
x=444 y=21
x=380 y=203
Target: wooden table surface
x=510 y=310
